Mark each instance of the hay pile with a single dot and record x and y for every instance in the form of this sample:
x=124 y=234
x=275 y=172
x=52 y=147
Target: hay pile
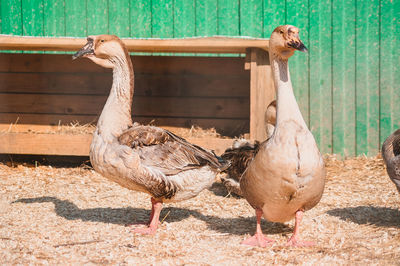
x=75 y=128
x=74 y=216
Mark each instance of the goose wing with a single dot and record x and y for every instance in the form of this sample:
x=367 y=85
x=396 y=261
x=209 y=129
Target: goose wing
x=239 y=157
x=158 y=148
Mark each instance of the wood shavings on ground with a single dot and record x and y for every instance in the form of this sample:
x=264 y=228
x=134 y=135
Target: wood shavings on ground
x=52 y=215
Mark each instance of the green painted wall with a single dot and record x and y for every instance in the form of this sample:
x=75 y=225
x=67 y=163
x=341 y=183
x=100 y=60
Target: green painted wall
x=347 y=86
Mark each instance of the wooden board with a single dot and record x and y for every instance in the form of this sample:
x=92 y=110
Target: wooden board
x=76 y=145
x=187 y=45
x=213 y=67
x=145 y=84
x=142 y=105
x=262 y=91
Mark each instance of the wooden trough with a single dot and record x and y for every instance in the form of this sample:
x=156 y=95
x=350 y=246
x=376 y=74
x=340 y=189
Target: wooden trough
x=40 y=92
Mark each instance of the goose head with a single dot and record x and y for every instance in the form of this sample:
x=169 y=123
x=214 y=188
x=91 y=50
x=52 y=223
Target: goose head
x=285 y=41
x=104 y=50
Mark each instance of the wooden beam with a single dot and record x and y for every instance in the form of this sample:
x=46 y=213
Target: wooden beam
x=262 y=91
x=76 y=145
x=186 y=45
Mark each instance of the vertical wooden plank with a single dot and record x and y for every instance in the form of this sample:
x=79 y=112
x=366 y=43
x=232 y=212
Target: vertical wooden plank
x=228 y=20
x=54 y=18
x=343 y=77
x=297 y=15
x=75 y=18
x=140 y=18
x=184 y=20
x=389 y=68
x=262 y=91
x=119 y=18
x=11 y=18
x=228 y=17
x=162 y=18
x=97 y=17
x=274 y=15
x=251 y=18
x=206 y=18
x=32 y=17
x=367 y=79
x=321 y=74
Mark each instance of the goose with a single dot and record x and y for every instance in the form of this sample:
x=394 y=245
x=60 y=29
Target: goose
x=391 y=157
x=242 y=153
x=142 y=158
x=286 y=176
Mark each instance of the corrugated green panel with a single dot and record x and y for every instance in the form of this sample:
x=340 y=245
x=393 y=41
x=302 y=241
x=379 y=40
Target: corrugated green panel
x=390 y=70
x=32 y=18
x=251 y=18
x=163 y=18
x=140 y=18
x=297 y=15
x=343 y=77
x=75 y=18
x=97 y=17
x=367 y=80
x=206 y=18
x=119 y=18
x=320 y=74
x=54 y=18
x=184 y=20
x=274 y=15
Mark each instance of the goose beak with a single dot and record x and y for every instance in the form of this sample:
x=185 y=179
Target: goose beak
x=298 y=45
x=85 y=50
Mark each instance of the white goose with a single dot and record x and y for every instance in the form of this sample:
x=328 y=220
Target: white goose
x=138 y=157
x=286 y=175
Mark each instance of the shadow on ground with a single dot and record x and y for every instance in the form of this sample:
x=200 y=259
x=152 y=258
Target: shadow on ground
x=379 y=216
x=218 y=189
x=126 y=216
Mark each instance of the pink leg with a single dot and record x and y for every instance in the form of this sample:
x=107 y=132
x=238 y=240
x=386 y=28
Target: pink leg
x=156 y=207
x=294 y=240
x=258 y=239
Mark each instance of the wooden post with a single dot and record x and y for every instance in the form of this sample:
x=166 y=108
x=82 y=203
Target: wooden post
x=262 y=91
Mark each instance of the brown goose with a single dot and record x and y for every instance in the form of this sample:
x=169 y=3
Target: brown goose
x=391 y=157
x=138 y=157
x=242 y=153
x=287 y=175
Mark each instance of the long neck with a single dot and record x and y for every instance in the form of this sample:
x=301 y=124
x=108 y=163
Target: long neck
x=286 y=105
x=116 y=114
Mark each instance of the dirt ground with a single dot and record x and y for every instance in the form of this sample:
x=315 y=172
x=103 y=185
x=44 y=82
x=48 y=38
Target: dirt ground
x=52 y=215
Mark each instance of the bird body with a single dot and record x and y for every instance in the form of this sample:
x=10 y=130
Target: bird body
x=290 y=181
x=138 y=157
x=391 y=157
x=286 y=176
